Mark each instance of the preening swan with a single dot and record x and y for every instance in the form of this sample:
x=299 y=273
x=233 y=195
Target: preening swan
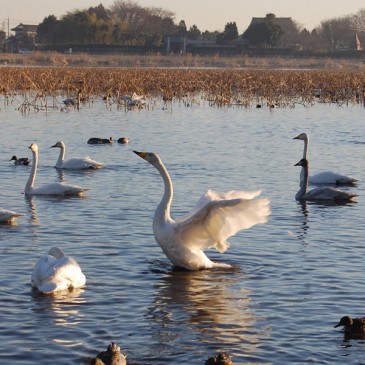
x=8 y=216
x=59 y=189
x=326 y=177
x=324 y=194
x=96 y=140
x=56 y=271
x=20 y=161
x=74 y=163
x=215 y=218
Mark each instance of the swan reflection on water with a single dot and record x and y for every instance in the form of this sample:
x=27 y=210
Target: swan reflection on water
x=59 y=308
x=210 y=302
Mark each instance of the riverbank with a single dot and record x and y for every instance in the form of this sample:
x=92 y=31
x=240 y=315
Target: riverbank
x=181 y=61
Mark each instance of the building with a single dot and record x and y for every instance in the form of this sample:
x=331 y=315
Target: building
x=24 y=39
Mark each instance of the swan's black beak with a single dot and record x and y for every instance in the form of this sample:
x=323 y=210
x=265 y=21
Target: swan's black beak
x=297 y=137
x=53 y=146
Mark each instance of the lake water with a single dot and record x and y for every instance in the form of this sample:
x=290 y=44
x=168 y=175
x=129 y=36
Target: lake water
x=292 y=279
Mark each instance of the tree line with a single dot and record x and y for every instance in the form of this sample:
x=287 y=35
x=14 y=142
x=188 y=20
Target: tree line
x=127 y=23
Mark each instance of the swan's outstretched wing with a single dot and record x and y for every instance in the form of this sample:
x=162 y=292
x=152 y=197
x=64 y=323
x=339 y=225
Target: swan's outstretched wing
x=220 y=219
x=212 y=195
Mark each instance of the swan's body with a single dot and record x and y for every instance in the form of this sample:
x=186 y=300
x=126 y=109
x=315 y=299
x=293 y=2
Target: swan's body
x=74 y=163
x=58 y=189
x=56 y=271
x=96 y=140
x=20 y=161
x=325 y=194
x=326 y=177
x=8 y=216
x=215 y=218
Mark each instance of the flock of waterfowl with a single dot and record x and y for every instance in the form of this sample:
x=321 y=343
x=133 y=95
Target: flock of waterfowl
x=216 y=217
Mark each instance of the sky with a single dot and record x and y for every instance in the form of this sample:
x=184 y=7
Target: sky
x=208 y=15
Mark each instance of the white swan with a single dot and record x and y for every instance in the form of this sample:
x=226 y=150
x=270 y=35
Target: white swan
x=20 y=161
x=324 y=194
x=56 y=271
x=8 y=216
x=74 y=163
x=215 y=218
x=59 y=189
x=326 y=177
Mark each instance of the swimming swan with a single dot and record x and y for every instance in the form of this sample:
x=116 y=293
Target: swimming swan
x=58 y=189
x=327 y=193
x=326 y=177
x=56 y=271
x=20 y=161
x=215 y=218
x=8 y=216
x=74 y=163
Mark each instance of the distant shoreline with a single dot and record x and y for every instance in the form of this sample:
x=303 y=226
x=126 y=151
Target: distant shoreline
x=181 y=61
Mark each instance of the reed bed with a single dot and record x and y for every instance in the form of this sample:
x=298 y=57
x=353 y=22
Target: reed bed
x=44 y=86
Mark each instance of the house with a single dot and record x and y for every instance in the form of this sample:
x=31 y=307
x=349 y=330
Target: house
x=24 y=39
x=25 y=30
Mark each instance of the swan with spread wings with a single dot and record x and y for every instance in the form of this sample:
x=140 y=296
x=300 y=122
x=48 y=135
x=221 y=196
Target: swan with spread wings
x=215 y=218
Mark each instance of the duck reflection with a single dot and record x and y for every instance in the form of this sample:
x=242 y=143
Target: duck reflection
x=209 y=306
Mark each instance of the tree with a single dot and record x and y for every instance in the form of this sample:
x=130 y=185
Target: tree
x=182 y=29
x=229 y=34
x=47 y=30
x=336 y=32
x=194 y=32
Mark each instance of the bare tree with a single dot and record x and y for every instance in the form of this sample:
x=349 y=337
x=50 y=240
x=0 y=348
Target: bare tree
x=337 y=32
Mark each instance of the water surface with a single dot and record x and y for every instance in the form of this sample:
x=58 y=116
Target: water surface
x=291 y=279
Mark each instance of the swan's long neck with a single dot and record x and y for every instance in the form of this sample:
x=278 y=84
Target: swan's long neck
x=304 y=182
x=305 y=151
x=33 y=172
x=61 y=156
x=305 y=156
x=162 y=214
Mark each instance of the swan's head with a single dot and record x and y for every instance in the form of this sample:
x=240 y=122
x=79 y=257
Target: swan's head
x=303 y=162
x=33 y=147
x=302 y=136
x=56 y=252
x=59 y=144
x=150 y=157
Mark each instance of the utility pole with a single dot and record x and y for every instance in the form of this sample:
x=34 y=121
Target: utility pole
x=8 y=28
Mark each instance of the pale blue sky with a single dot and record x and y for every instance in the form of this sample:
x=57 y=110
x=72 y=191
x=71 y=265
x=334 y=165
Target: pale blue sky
x=206 y=14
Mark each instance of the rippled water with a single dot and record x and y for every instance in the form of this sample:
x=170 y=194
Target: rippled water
x=292 y=278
